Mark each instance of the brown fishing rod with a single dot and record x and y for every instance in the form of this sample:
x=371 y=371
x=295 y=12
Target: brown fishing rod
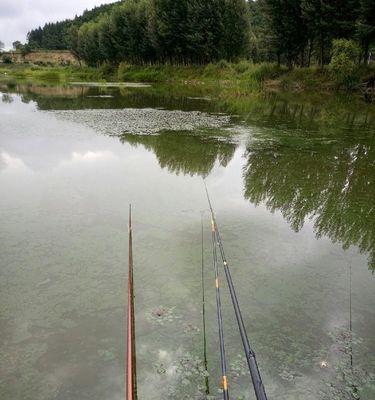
x=249 y=353
x=131 y=370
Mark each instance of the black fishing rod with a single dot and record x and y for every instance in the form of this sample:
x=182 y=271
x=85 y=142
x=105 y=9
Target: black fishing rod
x=206 y=381
x=249 y=353
x=219 y=316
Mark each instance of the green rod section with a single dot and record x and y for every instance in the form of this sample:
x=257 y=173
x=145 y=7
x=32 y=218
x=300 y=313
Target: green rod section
x=206 y=381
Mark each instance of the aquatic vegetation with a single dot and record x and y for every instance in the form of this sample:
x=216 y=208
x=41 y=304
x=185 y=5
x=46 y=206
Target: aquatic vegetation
x=238 y=367
x=162 y=315
x=290 y=375
x=191 y=329
x=160 y=368
x=190 y=372
x=350 y=377
x=142 y=121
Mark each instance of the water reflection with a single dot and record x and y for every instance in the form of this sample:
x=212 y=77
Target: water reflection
x=302 y=113
x=331 y=183
x=309 y=159
x=85 y=97
x=7 y=98
x=186 y=153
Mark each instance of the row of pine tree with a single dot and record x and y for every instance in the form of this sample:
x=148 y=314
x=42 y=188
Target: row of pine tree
x=294 y=32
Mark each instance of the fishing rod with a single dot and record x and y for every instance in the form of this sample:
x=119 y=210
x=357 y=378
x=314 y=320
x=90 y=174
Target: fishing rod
x=350 y=314
x=131 y=371
x=206 y=381
x=249 y=353
x=219 y=316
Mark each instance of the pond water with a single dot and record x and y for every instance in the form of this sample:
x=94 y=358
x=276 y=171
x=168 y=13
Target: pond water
x=292 y=182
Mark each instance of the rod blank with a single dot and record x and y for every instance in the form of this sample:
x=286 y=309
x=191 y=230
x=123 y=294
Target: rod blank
x=249 y=353
x=131 y=370
x=206 y=380
x=219 y=316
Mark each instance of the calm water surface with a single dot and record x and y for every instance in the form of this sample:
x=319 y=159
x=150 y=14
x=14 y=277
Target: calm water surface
x=293 y=185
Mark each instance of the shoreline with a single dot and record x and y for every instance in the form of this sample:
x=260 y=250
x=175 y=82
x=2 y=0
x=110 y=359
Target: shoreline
x=242 y=78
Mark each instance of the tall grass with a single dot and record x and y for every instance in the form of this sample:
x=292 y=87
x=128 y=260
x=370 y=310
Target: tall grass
x=244 y=72
x=237 y=78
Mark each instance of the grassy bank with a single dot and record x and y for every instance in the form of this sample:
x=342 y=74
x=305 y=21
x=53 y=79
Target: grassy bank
x=238 y=78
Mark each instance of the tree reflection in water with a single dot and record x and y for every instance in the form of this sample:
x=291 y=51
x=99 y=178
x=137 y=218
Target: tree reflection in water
x=330 y=180
x=191 y=154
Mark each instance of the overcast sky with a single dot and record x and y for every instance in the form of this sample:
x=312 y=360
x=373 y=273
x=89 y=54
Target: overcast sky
x=17 y=17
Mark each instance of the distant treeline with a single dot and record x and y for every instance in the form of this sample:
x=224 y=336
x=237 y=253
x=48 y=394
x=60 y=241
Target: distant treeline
x=294 y=32
x=55 y=35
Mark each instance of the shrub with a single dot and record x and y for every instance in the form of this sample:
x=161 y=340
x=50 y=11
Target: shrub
x=210 y=69
x=242 y=66
x=265 y=71
x=11 y=84
x=151 y=73
x=223 y=64
x=107 y=70
x=344 y=62
x=221 y=69
x=49 y=76
x=7 y=59
x=123 y=68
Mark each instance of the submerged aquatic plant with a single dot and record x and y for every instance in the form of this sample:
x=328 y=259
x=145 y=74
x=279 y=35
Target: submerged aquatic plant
x=190 y=372
x=162 y=315
x=289 y=375
x=160 y=368
x=191 y=329
x=238 y=367
x=349 y=378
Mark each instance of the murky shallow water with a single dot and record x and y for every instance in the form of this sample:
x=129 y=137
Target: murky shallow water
x=293 y=185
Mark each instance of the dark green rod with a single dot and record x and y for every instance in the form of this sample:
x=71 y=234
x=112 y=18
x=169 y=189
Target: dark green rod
x=207 y=386
x=249 y=353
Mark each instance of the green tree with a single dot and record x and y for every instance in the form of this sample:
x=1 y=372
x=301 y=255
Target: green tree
x=128 y=32
x=327 y=20
x=366 y=26
x=344 y=62
x=56 y=35
x=260 y=48
x=108 y=41
x=288 y=29
x=88 y=43
x=72 y=41
x=236 y=29
x=206 y=32
x=35 y=37
x=17 y=45
x=171 y=30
